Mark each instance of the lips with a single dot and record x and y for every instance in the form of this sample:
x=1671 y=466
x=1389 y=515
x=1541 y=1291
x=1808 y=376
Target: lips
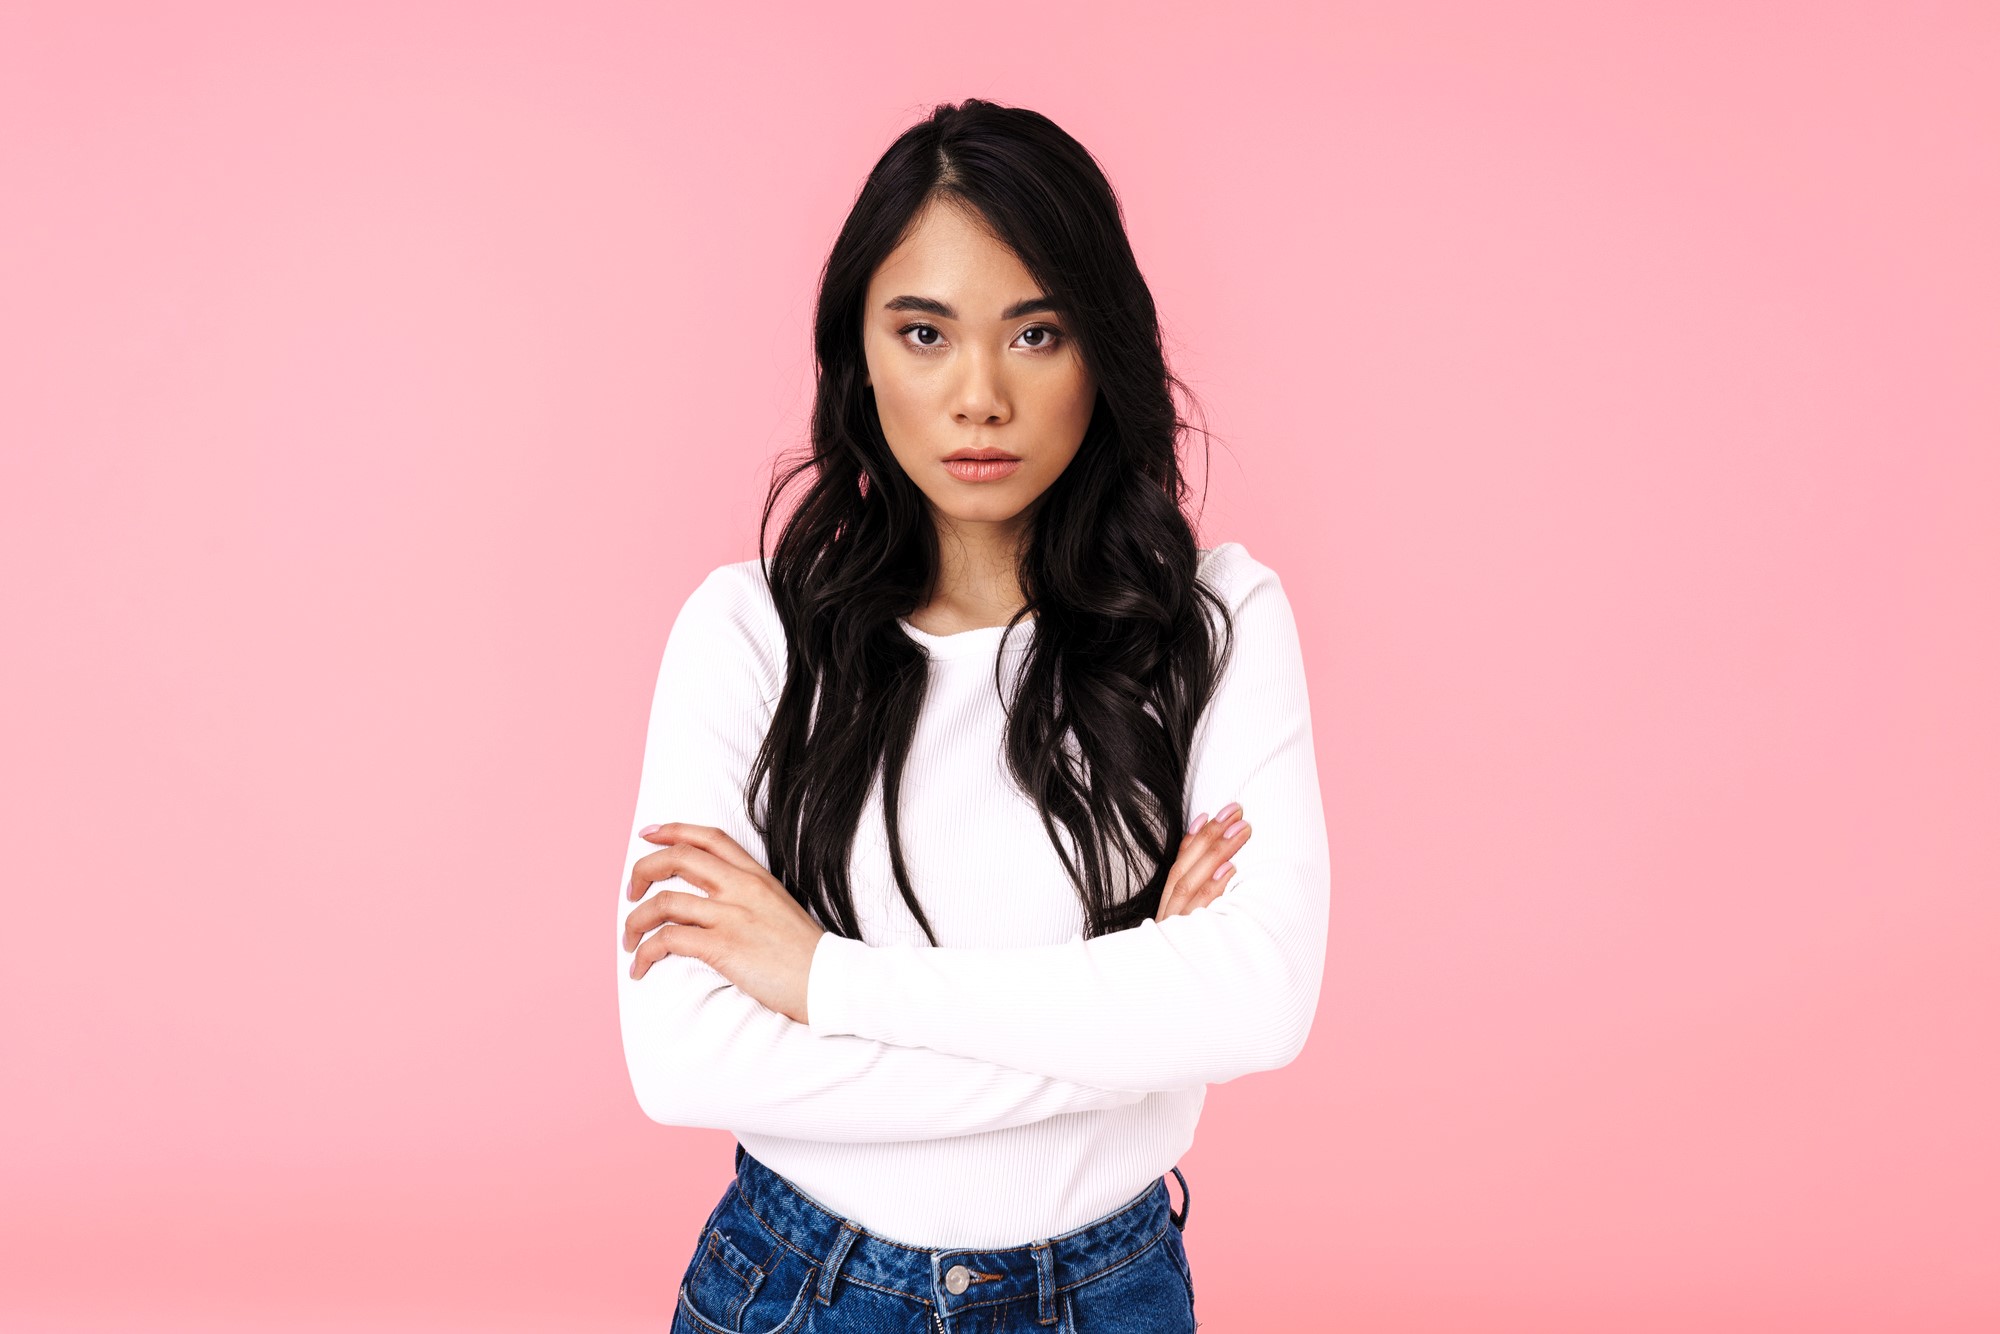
x=980 y=455
x=982 y=470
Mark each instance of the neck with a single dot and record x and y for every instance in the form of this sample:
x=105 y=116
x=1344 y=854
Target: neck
x=976 y=579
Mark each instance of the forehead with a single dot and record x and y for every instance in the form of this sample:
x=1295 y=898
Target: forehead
x=950 y=253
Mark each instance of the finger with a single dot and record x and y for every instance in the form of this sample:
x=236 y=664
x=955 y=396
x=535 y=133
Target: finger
x=1200 y=891
x=1207 y=839
x=1196 y=873
x=1174 y=897
x=673 y=938
x=1232 y=831
x=706 y=837
x=1200 y=836
x=1218 y=861
x=1212 y=890
x=1189 y=840
x=691 y=863
x=673 y=905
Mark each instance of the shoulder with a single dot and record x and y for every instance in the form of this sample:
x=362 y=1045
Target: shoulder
x=1261 y=620
x=736 y=590
x=1235 y=575
x=731 y=621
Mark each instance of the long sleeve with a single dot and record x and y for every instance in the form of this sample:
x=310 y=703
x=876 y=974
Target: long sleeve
x=1199 y=998
x=699 y=1051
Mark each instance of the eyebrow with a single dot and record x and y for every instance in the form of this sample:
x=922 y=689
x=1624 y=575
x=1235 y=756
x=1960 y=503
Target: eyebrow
x=931 y=306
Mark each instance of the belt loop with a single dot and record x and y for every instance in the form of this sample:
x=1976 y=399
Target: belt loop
x=1045 y=1283
x=842 y=1243
x=1179 y=1220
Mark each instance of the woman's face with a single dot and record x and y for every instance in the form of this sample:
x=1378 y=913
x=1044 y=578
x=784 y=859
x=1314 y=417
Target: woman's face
x=962 y=359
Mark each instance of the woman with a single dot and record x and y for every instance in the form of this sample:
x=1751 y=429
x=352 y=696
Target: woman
x=958 y=981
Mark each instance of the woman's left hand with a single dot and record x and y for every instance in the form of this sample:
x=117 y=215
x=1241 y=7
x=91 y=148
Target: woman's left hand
x=749 y=928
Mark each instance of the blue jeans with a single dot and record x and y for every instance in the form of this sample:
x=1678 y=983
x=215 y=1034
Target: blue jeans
x=771 y=1261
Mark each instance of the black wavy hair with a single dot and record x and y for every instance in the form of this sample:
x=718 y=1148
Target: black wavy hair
x=1123 y=659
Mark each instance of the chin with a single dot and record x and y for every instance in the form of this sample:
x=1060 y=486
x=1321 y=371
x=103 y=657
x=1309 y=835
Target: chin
x=995 y=508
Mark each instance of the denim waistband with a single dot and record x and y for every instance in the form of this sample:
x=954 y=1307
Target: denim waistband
x=961 y=1277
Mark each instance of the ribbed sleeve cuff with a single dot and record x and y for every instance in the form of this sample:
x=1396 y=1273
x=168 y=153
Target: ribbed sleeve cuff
x=833 y=984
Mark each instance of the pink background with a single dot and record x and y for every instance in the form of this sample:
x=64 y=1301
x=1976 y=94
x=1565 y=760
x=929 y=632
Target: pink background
x=1613 y=386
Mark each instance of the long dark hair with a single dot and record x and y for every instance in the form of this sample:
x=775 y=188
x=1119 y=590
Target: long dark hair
x=1123 y=658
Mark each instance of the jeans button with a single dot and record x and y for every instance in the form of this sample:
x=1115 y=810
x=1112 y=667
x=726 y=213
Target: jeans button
x=957 y=1279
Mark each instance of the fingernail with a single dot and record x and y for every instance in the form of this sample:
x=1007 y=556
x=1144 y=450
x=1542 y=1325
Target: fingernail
x=1199 y=821
x=1233 y=830
x=1223 y=869
x=1229 y=810
x=647 y=830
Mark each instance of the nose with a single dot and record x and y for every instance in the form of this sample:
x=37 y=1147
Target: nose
x=980 y=396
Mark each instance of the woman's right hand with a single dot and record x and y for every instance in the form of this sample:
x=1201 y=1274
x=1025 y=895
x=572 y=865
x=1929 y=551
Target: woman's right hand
x=1207 y=848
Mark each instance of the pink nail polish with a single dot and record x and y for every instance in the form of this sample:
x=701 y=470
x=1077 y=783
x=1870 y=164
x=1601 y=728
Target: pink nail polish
x=1233 y=830
x=1223 y=869
x=1199 y=821
x=1229 y=810
x=647 y=830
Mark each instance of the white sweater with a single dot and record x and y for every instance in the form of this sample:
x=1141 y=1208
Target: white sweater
x=1017 y=1081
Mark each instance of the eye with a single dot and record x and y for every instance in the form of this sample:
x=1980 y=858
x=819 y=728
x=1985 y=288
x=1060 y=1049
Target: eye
x=1051 y=336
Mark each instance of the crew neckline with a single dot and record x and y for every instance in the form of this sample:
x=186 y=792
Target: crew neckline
x=981 y=639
